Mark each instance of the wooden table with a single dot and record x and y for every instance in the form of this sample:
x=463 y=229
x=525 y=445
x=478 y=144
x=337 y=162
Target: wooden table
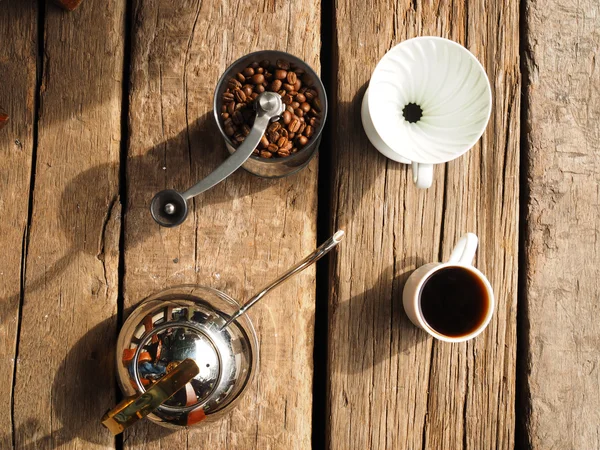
x=112 y=102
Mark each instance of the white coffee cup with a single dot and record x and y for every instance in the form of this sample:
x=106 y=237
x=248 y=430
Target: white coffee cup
x=461 y=257
x=449 y=85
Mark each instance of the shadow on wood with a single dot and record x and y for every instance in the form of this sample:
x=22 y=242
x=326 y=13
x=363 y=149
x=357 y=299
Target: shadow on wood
x=84 y=388
x=81 y=198
x=373 y=341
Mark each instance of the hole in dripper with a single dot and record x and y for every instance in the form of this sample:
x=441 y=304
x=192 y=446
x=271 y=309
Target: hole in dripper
x=412 y=112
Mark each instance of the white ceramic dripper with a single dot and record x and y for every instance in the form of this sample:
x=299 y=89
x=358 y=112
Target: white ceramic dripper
x=450 y=87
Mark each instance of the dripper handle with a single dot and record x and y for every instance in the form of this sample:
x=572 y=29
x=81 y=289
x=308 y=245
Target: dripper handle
x=268 y=106
x=422 y=174
x=132 y=409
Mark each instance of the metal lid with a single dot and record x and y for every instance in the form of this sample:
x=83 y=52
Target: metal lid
x=166 y=345
x=162 y=332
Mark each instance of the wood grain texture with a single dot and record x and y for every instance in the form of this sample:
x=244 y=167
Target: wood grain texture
x=17 y=95
x=240 y=234
x=390 y=386
x=65 y=372
x=562 y=251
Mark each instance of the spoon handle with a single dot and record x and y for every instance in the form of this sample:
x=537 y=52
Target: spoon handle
x=325 y=248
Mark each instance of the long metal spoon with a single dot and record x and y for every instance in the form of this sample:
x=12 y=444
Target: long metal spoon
x=325 y=248
x=169 y=207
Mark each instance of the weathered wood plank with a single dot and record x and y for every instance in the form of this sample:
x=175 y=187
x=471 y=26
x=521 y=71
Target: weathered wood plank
x=390 y=386
x=240 y=234
x=65 y=372
x=17 y=96
x=562 y=251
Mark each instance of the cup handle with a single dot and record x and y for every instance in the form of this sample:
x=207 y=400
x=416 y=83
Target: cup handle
x=465 y=249
x=422 y=174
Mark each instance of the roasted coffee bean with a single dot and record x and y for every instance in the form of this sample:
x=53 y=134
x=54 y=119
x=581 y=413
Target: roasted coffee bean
x=282 y=141
x=258 y=78
x=275 y=85
x=234 y=84
x=239 y=95
x=238 y=117
x=255 y=152
x=282 y=64
x=305 y=107
x=297 y=122
x=273 y=136
x=248 y=88
x=317 y=104
x=294 y=125
x=280 y=74
x=291 y=77
x=287 y=117
x=248 y=116
x=274 y=126
x=264 y=142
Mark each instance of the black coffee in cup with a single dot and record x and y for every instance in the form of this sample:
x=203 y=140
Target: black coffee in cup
x=454 y=301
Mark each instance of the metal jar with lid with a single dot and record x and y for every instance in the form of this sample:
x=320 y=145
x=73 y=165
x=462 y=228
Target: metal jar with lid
x=176 y=361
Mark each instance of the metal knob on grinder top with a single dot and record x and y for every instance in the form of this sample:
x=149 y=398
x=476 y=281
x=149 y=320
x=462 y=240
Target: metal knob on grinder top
x=169 y=207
